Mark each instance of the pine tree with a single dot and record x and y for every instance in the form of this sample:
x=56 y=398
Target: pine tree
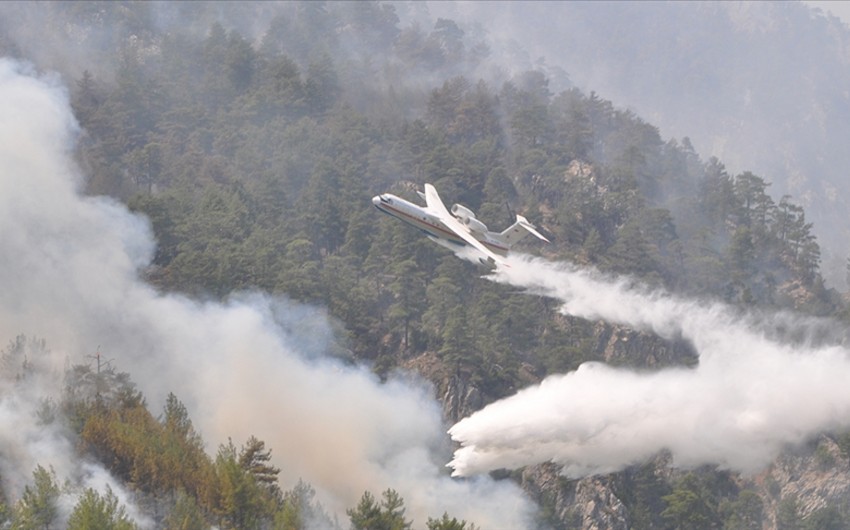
x=101 y=512
x=254 y=458
x=38 y=508
x=446 y=523
x=388 y=515
x=185 y=515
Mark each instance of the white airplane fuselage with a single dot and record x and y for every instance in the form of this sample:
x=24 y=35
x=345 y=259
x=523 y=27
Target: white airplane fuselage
x=421 y=218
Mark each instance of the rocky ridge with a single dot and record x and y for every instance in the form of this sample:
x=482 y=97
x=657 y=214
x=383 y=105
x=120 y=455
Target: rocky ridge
x=808 y=478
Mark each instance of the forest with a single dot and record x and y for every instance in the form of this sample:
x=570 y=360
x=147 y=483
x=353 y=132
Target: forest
x=255 y=156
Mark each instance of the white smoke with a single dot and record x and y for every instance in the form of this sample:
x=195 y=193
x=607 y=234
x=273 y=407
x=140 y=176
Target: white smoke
x=750 y=396
x=69 y=274
x=29 y=437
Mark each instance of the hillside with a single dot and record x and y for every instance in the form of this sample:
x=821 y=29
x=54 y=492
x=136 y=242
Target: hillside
x=209 y=324
x=760 y=85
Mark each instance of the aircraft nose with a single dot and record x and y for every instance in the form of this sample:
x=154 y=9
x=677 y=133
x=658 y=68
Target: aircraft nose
x=376 y=200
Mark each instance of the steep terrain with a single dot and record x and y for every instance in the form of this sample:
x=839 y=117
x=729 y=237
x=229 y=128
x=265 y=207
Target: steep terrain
x=324 y=349
x=761 y=85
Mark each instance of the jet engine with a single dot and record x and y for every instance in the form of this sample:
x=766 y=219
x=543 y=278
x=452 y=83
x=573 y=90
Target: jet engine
x=465 y=216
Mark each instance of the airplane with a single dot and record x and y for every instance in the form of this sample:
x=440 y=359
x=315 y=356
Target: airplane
x=458 y=227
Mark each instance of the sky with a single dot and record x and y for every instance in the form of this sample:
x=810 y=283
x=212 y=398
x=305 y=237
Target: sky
x=839 y=8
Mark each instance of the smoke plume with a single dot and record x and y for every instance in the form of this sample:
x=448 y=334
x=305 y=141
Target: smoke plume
x=69 y=274
x=754 y=392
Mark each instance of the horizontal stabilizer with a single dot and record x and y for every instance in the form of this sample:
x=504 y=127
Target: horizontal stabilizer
x=523 y=222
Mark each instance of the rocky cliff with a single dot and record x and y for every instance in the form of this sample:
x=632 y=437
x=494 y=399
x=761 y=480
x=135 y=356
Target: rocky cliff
x=797 y=485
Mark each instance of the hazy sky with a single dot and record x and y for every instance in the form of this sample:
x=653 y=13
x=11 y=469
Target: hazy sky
x=839 y=8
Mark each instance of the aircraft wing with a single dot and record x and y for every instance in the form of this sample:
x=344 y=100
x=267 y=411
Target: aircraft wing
x=436 y=206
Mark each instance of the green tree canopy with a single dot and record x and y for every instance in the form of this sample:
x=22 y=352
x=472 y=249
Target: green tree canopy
x=94 y=510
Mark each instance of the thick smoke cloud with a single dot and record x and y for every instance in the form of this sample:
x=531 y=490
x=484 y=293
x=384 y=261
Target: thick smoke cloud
x=28 y=438
x=69 y=274
x=750 y=397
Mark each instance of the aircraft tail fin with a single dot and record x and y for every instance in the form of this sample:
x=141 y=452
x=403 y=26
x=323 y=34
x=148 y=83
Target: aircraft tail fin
x=518 y=231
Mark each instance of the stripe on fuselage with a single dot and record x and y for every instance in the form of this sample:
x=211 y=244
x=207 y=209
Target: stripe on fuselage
x=434 y=228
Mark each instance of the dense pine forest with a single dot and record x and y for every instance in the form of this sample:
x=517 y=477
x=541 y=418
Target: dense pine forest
x=255 y=153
